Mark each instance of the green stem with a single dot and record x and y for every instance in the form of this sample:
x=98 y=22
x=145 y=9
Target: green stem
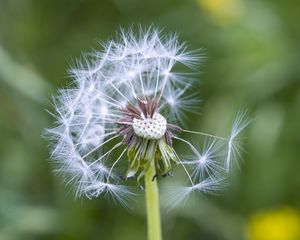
x=152 y=203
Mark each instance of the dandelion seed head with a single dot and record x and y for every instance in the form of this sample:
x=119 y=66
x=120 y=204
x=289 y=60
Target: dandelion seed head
x=123 y=110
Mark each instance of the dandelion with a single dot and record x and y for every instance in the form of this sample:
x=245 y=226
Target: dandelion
x=118 y=120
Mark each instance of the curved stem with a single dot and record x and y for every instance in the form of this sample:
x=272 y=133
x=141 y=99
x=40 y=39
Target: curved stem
x=152 y=204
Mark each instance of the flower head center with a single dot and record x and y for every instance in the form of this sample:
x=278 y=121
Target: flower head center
x=150 y=128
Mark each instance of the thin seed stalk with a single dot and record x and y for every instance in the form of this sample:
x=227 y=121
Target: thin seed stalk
x=152 y=204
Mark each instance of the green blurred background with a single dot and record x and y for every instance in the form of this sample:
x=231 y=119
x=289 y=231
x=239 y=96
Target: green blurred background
x=253 y=57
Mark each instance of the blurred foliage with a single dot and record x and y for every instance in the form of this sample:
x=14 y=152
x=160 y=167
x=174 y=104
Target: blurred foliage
x=253 y=56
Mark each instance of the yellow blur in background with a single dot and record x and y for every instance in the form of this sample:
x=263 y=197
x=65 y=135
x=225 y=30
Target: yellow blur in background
x=223 y=12
x=276 y=224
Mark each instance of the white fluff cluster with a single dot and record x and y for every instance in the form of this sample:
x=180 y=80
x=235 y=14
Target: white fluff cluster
x=86 y=143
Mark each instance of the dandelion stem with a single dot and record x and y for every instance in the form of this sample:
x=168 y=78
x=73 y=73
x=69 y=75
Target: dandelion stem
x=152 y=204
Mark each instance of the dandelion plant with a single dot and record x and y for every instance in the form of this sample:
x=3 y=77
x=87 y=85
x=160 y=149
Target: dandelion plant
x=119 y=118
